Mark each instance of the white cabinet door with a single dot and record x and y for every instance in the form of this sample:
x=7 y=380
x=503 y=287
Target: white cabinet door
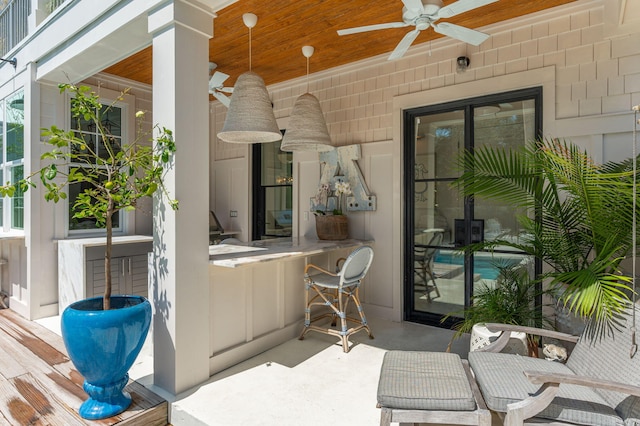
x=96 y=278
x=128 y=276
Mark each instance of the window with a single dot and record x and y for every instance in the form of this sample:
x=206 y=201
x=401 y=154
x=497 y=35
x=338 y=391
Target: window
x=112 y=117
x=12 y=158
x=272 y=191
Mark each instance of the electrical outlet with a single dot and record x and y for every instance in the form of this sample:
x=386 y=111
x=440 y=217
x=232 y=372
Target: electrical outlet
x=306 y=215
x=233 y=213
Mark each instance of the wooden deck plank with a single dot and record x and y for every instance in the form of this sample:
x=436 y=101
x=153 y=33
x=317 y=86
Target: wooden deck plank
x=17 y=353
x=4 y=421
x=72 y=380
x=41 y=332
x=54 y=380
x=46 y=402
x=17 y=405
x=25 y=355
x=143 y=403
x=9 y=368
x=13 y=407
x=29 y=340
x=45 y=387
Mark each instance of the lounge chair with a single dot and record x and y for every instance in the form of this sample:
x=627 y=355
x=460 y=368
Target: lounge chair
x=599 y=384
x=423 y=265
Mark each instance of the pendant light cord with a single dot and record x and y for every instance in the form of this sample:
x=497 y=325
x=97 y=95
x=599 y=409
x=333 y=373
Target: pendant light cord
x=307 y=74
x=634 y=346
x=249 y=48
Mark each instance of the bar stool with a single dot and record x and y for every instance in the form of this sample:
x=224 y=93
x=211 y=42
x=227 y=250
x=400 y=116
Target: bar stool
x=335 y=290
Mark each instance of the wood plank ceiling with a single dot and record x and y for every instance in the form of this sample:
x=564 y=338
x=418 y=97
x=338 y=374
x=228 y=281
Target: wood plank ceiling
x=284 y=26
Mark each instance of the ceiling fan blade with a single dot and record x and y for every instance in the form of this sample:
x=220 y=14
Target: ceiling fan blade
x=217 y=79
x=461 y=33
x=461 y=6
x=226 y=89
x=404 y=45
x=372 y=28
x=414 y=5
x=222 y=98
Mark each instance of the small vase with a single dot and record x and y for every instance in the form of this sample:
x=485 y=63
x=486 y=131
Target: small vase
x=332 y=227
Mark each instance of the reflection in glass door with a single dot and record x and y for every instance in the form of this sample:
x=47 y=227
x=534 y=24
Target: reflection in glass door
x=439 y=279
x=438 y=286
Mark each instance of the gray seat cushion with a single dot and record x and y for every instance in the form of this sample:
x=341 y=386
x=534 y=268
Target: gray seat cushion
x=501 y=380
x=424 y=381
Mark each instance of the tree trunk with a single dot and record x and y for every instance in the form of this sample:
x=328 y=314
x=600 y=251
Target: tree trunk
x=106 y=301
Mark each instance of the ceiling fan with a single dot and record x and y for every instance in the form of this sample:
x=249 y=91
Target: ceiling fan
x=423 y=14
x=217 y=88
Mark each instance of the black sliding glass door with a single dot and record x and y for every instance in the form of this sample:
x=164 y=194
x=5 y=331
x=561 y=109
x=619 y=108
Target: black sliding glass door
x=439 y=279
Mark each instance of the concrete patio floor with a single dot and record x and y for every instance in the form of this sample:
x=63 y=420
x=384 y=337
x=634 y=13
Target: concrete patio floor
x=298 y=383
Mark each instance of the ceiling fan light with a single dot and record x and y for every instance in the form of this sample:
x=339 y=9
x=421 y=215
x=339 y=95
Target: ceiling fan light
x=307 y=129
x=250 y=118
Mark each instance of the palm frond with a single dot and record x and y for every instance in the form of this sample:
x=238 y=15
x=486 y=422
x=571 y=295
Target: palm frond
x=577 y=217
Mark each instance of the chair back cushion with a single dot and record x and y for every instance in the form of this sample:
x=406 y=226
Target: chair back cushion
x=356 y=265
x=609 y=358
x=502 y=382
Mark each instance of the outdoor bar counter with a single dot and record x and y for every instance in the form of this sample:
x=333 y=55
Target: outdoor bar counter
x=257 y=293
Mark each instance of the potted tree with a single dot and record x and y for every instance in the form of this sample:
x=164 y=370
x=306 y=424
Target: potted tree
x=578 y=220
x=103 y=335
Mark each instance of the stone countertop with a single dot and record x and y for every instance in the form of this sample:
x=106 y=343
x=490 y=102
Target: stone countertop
x=100 y=241
x=12 y=235
x=237 y=255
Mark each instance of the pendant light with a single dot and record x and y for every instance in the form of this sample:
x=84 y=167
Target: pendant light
x=250 y=118
x=307 y=129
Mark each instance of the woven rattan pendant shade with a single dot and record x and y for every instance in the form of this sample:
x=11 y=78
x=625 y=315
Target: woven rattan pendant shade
x=307 y=130
x=250 y=118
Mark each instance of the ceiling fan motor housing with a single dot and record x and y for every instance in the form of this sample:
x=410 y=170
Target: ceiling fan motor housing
x=431 y=6
x=422 y=17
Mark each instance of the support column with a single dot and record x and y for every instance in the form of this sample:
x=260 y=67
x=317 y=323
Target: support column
x=179 y=283
x=29 y=303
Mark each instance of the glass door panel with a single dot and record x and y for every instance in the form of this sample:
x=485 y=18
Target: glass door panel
x=438 y=286
x=505 y=125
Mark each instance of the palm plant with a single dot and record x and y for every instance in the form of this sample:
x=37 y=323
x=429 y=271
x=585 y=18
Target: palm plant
x=511 y=300
x=578 y=219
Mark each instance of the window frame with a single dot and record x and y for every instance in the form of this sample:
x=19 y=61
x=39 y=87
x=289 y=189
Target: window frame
x=7 y=167
x=259 y=190
x=126 y=103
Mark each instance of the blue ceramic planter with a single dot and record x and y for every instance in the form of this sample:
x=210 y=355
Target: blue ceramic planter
x=103 y=346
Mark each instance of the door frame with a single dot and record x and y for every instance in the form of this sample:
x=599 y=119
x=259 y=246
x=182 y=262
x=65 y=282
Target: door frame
x=408 y=185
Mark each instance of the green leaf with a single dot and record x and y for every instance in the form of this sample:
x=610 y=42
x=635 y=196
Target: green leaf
x=51 y=172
